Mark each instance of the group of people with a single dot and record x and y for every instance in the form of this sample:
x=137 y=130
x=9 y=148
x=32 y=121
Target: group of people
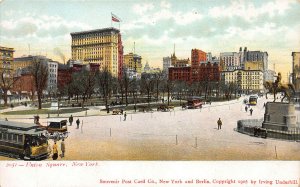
x=71 y=121
x=55 y=150
x=251 y=110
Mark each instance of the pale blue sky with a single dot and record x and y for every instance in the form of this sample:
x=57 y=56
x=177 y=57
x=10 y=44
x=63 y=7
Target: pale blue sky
x=211 y=25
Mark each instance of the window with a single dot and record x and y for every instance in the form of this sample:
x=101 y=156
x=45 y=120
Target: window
x=9 y=137
x=14 y=137
x=20 y=138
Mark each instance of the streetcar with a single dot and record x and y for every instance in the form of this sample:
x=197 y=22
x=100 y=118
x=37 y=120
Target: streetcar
x=194 y=102
x=23 y=140
x=252 y=100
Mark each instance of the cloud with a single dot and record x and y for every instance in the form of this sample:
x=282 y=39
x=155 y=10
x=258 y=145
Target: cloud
x=165 y=4
x=41 y=26
x=143 y=8
x=249 y=11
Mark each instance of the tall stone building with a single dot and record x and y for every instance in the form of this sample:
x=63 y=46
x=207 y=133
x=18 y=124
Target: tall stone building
x=6 y=61
x=133 y=62
x=24 y=62
x=231 y=60
x=166 y=65
x=102 y=46
x=296 y=70
x=247 y=81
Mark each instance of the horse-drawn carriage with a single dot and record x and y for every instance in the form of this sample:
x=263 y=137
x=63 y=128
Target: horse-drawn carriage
x=55 y=129
x=258 y=131
x=165 y=108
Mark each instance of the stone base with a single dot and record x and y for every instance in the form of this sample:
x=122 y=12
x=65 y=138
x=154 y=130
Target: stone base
x=280 y=116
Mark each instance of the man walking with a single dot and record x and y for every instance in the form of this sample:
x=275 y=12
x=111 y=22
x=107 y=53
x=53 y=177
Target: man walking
x=71 y=120
x=246 y=108
x=77 y=122
x=251 y=110
x=219 y=123
x=125 y=116
x=63 y=148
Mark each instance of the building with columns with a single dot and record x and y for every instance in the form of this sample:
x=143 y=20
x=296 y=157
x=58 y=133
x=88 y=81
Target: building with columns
x=101 y=46
x=296 y=70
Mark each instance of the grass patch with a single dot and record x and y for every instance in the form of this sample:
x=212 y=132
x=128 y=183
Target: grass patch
x=44 y=111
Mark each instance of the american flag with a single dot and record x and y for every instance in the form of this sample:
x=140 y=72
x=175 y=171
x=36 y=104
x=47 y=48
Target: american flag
x=115 y=18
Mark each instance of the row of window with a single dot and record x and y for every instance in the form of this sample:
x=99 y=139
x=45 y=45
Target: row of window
x=10 y=137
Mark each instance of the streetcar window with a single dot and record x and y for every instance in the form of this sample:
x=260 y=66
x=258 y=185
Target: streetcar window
x=14 y=137
x=9 y=137
x=4 y=136
x=20 y=138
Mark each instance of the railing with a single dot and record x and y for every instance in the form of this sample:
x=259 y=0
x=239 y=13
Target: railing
x=253 y=128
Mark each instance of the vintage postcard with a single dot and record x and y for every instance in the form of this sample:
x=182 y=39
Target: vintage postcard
x=149 y=93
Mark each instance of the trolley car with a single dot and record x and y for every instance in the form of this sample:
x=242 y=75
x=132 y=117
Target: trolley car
x=23 y=140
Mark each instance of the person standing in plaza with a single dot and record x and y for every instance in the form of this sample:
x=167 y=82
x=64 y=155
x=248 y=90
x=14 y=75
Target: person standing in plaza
x=251 y=110
x=77 y=122
x=55 y=151
x=125 y=115
x=63 y=148
x=71 y=120
x=246 y=108
x=219 y=123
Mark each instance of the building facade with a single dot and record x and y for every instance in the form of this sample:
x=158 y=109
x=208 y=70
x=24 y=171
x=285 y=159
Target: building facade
x=197 y=56
x=231 y=61
x=133 y=62
x=180 y=74
x=248 y=81
x=166 y=65
x=6 y=61
x=296 y=70
x=101 y=46
x=24 y=62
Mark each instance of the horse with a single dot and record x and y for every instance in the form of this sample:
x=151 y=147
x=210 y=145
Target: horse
x=285 y=88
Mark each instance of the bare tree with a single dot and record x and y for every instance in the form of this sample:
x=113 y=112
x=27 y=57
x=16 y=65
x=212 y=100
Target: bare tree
x=105 y=83
x=39 y=70
x=158 y=77
x=6 y=82
x=169 y=88
x=84 y=83
x=147 y=83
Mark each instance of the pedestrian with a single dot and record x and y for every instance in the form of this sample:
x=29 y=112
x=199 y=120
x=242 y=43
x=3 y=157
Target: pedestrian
x=264 y=105
x=55 y=151
x=219 y=123
x=77 y=122
x=125 y=116
x=63 y=148
x=246 y=108
x=251 y=110
x=71 y=120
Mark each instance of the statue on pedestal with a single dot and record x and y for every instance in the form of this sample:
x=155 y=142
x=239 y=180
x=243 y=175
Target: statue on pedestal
x=277 y=86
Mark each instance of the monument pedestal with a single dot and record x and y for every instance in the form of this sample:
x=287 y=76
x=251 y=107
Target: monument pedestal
x=280 y=116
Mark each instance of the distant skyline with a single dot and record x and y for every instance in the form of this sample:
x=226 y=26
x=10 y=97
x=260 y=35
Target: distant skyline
x=155 y=26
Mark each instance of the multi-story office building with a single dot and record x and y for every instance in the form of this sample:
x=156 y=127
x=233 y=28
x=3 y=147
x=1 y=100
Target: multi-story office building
x=24 y=62
x=133 y=62
x=256 y=65
x=248 y=81
x=6 y=61
x=52 y=76
x=175 y=62
x=296 y=70
x=197 y=56
x=166 y=65
x=102 y=46
x=231 y=60
x=180 y=73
